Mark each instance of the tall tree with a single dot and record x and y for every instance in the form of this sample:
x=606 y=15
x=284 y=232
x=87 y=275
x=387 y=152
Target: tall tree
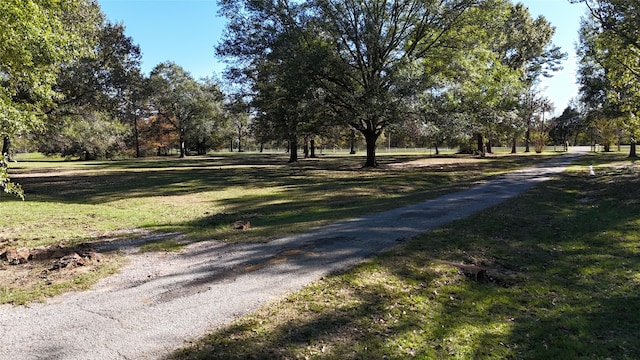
x=615 y=43
x=105 y=86
x=567 y=126
x=183 y=102
x=272 y=46
x=525 y=45
x=238 y=111
x=376 y=47
x=37 y=37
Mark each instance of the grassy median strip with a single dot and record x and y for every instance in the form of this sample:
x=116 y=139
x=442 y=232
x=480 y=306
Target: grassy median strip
x=552 y=274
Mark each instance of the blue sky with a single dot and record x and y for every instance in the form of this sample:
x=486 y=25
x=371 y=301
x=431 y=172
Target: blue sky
x=186 y=32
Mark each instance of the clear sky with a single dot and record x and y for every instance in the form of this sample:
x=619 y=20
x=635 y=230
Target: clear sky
x=186 y=32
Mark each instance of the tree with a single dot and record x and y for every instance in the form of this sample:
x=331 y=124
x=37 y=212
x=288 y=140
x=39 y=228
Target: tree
x=524 y=44
x=282 y=100
x=566 y=126
x=613 y=39
x=487 y=94
x=445 y=123
x=380 y=52
x=205 y=132
x=506 y=52
x=105 y=86
x=540 y=126
x=274 y=51
x=182 y=102
x=124 y=86
x=157 y=135
x=238 y=113
x=37 y=38
x=88 y=135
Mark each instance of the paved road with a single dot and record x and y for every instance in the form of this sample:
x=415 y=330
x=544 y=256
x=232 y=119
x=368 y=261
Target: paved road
x=160 y=300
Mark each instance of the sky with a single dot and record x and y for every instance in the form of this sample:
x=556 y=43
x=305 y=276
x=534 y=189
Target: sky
x=187 y=31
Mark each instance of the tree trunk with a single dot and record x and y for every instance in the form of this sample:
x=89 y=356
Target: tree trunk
x=489 y=147
x=293 y=149
x=632 y=149
x=514 y=149
x=480 y=142
x=6 y=148
x=353 y=142
x=231 y=145
x=435 y=145
x=371 y=140
x=136 y=136
x=202 y=147
x=306 y=147
x=312 y=144
x=183 y=152
x=527 y=141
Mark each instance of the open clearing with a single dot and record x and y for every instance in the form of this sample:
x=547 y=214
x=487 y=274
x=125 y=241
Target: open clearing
x=74 y=207
x=551 y=274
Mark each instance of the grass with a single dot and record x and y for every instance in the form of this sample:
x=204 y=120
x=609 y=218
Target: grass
x=69 y=203
x=75 y=202
x=563 y=283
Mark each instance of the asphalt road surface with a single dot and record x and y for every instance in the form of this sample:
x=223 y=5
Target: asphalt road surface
x=159 y=301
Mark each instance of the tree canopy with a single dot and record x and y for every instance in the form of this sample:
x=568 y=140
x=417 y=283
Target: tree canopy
x=182 y=102
x=367 y=61
x=610 y=68
x=37 y=37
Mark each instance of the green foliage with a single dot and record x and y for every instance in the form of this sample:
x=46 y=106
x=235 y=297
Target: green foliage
x=611 y=51
x=277 y=65
x=457 y=66
x=92 y=136
x=102 y=79
x=37 y=38
x=6 y=184
x=189 y=107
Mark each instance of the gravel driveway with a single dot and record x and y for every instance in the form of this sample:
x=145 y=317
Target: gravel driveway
x=160 y=300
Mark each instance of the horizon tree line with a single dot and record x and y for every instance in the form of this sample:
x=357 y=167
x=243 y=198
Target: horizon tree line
x=302 y=73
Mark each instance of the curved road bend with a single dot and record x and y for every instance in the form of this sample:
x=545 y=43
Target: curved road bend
x=160 y=300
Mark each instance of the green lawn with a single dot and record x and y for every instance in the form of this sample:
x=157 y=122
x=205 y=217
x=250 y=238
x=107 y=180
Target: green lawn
x=69 y=203
x=563 y=282
x=74 y=202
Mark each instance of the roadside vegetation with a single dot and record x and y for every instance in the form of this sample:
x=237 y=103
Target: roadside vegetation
x=164 y=203
x=561 y=281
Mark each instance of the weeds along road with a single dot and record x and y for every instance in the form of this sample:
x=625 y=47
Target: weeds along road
x=159 y=301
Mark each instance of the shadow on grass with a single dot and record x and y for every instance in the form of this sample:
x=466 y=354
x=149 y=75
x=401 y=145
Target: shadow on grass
x=568 y=255
x=100 y=182
x=315 y=193
x=200 y=196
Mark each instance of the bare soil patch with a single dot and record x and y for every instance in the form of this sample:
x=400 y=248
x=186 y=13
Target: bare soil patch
x=50 y=270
